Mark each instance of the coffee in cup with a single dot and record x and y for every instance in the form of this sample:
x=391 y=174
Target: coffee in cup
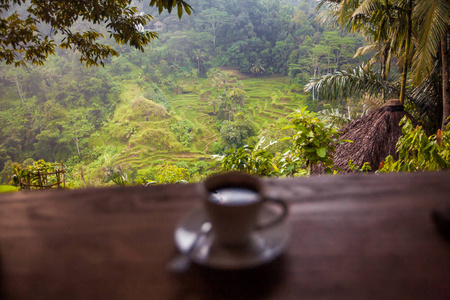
x=233 y=202
x=234 y=196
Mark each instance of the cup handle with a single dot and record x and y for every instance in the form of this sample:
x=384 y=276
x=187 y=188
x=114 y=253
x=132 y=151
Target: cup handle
x=278 y=219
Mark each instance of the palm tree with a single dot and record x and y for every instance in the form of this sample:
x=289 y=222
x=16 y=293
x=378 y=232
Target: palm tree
x=375 y=21
x=198 y=55
x=238 y=97
x=445 y=80
x=218 y=79
x=257 y=67
x=433 y=35
x=407 y=55
x=382 y=23
x=214 y=101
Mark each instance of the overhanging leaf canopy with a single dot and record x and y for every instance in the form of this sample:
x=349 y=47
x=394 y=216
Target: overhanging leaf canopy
x=21 y=39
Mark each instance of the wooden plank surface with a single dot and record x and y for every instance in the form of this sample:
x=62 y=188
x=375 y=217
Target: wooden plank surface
x=354 y=237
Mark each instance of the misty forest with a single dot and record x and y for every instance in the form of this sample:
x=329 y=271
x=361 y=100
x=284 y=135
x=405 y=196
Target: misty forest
x=260 y=86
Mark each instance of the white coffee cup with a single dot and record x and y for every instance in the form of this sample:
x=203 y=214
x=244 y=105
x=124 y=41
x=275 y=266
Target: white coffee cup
x=233 y=202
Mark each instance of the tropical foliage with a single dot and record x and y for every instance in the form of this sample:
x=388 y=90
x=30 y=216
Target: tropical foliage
x=314 y=141
x=415 y=33
x=169 y=173
x=251 y=160
x=419 y=152
x=361 y=81
x=24 y=37
x=219 y=79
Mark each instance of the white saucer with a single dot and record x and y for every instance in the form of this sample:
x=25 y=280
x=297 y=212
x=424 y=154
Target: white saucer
x=266 y=244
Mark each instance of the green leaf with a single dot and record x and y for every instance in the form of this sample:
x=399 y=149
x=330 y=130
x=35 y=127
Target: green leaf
x=321 y=152
x=180 y=10
x=347 y=141
x=328 y=171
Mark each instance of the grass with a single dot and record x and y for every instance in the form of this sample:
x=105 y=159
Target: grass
x=8 y=189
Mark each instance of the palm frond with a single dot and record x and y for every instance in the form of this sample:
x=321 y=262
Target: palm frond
x=328 y=16
x=346 y=10
x=339 y=12
x=373 y=103
x=339 y=119
x=427 y=100
x=327 y=4
x=435 y=20
x=365 y=49
x=353 y=82
x=367 y=7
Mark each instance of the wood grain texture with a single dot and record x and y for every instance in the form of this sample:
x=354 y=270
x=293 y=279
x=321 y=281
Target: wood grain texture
x=354 y=237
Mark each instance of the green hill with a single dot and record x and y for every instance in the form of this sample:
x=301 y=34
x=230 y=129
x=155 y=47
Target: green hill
x=144 y=138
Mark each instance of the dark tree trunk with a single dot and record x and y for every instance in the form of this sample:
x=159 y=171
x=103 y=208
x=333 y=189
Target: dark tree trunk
x=82 y=176
x=407 y=49
x=445 y=80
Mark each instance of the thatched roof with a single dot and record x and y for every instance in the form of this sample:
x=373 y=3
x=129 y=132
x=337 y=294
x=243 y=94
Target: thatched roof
x=374 y=137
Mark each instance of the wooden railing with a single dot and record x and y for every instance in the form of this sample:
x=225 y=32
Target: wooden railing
x=42 y=180
x=353 y=236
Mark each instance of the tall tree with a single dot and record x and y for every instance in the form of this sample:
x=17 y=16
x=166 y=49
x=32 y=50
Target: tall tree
x=198 y=55
x=214 y=17
x=417 y=45
x=445 y=80
x=257 y=67
x=433 y=36
x=75 y=129
x=407 y=54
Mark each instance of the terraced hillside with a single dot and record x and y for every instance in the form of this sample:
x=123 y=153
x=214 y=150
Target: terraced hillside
x=141 y=129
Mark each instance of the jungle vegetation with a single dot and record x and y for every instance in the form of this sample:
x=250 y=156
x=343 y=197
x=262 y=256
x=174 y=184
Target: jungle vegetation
x=226 y=79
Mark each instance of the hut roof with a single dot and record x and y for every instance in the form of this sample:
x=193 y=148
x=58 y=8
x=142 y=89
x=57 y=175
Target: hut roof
x=374 y=137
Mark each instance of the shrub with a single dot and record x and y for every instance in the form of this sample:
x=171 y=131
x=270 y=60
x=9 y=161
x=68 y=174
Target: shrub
x=169 y=173
x=183 y=131
x=251 y=160
x=314 y=141
x=157 y=138
x=419 y=152
x=155 y=94
x=143 y=107
x=8 y=189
